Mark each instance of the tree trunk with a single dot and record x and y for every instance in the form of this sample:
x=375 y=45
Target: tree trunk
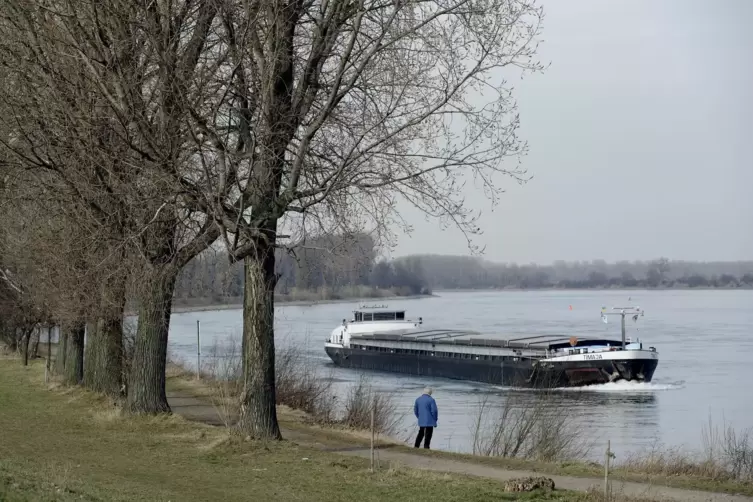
x=35 y=343
x=146 y=382
x=74 y=356
x=49 y=347
x=60 y=353
x=103 y=371
x=25 y=341
x=258 y=417
x=104 y=357
x=92 y=354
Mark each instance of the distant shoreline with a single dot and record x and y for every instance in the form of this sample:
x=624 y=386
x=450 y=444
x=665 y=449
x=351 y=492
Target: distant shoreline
x=295 y=303
x=621 y=288
x=185 y=309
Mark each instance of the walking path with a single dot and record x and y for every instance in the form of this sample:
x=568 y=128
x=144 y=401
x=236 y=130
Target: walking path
x=196 y=409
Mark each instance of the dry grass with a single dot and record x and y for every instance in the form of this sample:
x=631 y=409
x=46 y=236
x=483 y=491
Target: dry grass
x=300 y=386
x=223 y=371
x=537 y=428
x=726 y=455
x=361 y=400
x=597 y=495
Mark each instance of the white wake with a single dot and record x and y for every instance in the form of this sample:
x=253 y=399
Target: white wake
x=623 y=386
x=626 y=386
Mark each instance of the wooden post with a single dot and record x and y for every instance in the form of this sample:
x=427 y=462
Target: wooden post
x=373 y=405
x=606 y=470
x=198 y=351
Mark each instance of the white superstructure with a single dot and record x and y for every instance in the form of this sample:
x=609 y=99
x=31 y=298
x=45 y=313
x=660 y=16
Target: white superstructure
x=367 y=320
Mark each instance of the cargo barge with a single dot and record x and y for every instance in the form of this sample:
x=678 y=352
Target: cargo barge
x=377 y=338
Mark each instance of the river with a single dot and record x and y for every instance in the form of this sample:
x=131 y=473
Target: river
x=704 y=340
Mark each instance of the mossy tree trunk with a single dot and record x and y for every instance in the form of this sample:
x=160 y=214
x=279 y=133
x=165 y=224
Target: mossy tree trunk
x=104 y=357
x=37 y=333
x=146 y=382
x=74 y=356
x=62 y=348
x=103 y=371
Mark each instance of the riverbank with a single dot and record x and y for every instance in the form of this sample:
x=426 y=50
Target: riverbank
x=84 y=449
x=69 y=444
x=193 y=400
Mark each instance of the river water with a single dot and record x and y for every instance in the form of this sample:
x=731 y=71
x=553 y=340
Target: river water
x=704 y=340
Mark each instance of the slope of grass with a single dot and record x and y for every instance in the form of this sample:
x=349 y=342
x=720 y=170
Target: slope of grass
x=675 y=470
x=67 y=444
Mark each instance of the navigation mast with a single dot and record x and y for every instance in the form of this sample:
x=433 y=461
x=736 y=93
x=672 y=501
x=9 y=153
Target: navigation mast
x=622 y=312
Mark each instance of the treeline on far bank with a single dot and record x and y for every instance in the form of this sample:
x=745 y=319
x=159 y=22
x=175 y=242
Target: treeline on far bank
x=334 y=267
x=321 y=268
x=459 y=272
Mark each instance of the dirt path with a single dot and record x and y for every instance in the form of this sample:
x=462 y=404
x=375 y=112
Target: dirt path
x=197 y=409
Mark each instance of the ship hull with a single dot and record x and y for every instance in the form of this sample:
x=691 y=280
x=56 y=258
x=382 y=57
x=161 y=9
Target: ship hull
x=525 y=372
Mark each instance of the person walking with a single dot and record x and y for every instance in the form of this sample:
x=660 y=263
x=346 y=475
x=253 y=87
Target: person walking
x=425 y=409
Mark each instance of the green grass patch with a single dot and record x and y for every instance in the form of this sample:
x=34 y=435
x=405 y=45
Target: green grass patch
x=68 y=444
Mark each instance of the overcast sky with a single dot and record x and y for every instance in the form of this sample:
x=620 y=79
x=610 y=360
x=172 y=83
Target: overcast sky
x=640 y=136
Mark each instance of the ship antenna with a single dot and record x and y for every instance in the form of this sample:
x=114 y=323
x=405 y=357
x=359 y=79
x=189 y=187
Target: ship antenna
x=622 y=312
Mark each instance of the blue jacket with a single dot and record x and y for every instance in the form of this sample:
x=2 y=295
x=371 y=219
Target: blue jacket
x=425 y=409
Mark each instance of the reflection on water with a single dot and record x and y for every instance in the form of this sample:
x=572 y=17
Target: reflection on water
x=703 y=339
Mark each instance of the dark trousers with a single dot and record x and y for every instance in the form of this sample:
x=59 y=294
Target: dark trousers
x=424 y=432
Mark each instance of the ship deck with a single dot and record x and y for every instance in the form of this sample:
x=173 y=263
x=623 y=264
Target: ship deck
x=477 y=339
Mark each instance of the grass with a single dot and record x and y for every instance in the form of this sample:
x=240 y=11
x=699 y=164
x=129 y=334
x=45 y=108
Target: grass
x=668 y=473
x=629 y=471
x=68 y=444
x=659 y=467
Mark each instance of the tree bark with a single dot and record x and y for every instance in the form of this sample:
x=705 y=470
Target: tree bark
x=35 y=343
x=60 y=353
x=74 y=356
x=25 y=341
x=49 y=347
x=146 y=382
x=104 y=356
x=258 y=417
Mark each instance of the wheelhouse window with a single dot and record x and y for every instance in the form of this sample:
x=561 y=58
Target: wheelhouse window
x=359 y=316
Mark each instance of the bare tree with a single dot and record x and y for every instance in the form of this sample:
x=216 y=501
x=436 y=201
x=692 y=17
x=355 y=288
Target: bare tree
x=332 y=112
x=256 y=119
x=20 y=309
x=49 y=258
x=106 y=87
